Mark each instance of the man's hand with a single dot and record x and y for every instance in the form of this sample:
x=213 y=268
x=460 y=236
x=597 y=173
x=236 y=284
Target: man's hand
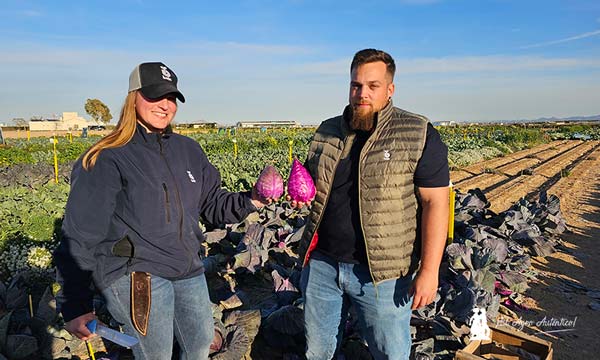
x=424 y=288
x=297 y=204
x=77 y=326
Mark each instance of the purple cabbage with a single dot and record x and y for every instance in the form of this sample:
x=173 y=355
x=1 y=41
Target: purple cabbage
x=300 y=184
x=269 y=184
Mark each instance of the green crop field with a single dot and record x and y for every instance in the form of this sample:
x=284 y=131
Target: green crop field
x=32 y=201
x=31 y=205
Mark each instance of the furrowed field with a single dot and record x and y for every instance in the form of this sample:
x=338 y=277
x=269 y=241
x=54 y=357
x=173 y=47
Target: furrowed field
x=257 y=306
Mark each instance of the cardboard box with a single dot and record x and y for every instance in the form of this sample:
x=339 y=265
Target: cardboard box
x=513 y=339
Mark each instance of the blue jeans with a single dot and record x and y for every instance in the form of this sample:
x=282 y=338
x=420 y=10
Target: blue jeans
x=329 y=288
x=180 y=307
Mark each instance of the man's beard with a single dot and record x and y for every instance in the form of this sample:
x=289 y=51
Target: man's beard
x=362 y=120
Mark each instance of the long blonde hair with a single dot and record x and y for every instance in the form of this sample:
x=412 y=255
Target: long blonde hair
x=121 y=135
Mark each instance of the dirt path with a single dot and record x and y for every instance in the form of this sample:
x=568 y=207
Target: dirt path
x=562 y=297
x=558 y=298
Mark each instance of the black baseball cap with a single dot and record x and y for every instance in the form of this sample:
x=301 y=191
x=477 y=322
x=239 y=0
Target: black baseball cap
x=154 y=80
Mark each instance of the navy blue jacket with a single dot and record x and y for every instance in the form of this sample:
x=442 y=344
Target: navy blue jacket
x=152 y=190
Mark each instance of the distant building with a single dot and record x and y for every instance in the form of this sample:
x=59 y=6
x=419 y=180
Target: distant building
x=68 y=121
x=197 y=125
x=267 y=124
x=444 y=123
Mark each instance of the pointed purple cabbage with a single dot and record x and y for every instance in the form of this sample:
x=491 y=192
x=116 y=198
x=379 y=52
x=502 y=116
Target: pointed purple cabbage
x=269 y=184
x=300 y=184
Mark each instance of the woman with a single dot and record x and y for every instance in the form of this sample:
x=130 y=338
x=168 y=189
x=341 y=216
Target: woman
x=131 y=225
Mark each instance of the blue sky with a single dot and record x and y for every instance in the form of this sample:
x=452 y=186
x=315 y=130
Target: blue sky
x=288 y=60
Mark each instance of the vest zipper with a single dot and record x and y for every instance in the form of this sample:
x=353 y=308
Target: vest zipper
x=326 y=199
x=179 y=203
x=167 y=203
x=360 y=157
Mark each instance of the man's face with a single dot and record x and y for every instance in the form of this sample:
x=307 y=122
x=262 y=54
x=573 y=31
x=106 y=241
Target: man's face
x=371 y=88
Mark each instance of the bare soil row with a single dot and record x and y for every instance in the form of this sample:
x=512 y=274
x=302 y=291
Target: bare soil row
x=476 y=170
x=505 y=180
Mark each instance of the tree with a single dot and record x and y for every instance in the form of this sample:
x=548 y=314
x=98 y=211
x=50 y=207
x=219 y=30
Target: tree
x=20 y=123
x=98 y=111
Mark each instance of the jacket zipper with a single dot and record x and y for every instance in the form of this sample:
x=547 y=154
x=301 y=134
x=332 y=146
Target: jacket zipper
x=178 y=196
x=167 y=203
x=326 y=199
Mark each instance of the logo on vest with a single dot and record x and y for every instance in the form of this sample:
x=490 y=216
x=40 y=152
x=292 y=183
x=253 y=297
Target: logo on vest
x=192 y=179
x=165 y=73
x=386 y=155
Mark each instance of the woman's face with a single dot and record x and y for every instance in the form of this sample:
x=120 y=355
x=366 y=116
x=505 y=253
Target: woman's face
x=155 y=115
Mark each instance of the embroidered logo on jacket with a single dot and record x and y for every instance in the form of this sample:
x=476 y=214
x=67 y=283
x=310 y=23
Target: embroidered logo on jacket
x=386 y=155
x=192 y=179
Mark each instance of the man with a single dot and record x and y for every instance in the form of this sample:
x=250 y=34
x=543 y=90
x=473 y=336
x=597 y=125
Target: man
x=377 y=229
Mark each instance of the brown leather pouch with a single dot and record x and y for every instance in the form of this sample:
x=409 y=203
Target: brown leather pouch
x=140 y=300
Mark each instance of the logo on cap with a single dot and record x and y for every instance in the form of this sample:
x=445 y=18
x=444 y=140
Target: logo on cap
x=165 y=73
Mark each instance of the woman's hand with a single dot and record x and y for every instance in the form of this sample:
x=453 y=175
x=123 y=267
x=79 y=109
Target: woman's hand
x=77 y=326
x=259 y=201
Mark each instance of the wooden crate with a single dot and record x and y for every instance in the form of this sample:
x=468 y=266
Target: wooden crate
x=490 y=349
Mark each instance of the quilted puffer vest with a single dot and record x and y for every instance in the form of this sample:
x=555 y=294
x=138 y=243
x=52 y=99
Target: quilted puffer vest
x=388 y=200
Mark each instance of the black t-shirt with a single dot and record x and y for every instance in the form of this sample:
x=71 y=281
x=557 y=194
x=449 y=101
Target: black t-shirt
x=340 y=233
